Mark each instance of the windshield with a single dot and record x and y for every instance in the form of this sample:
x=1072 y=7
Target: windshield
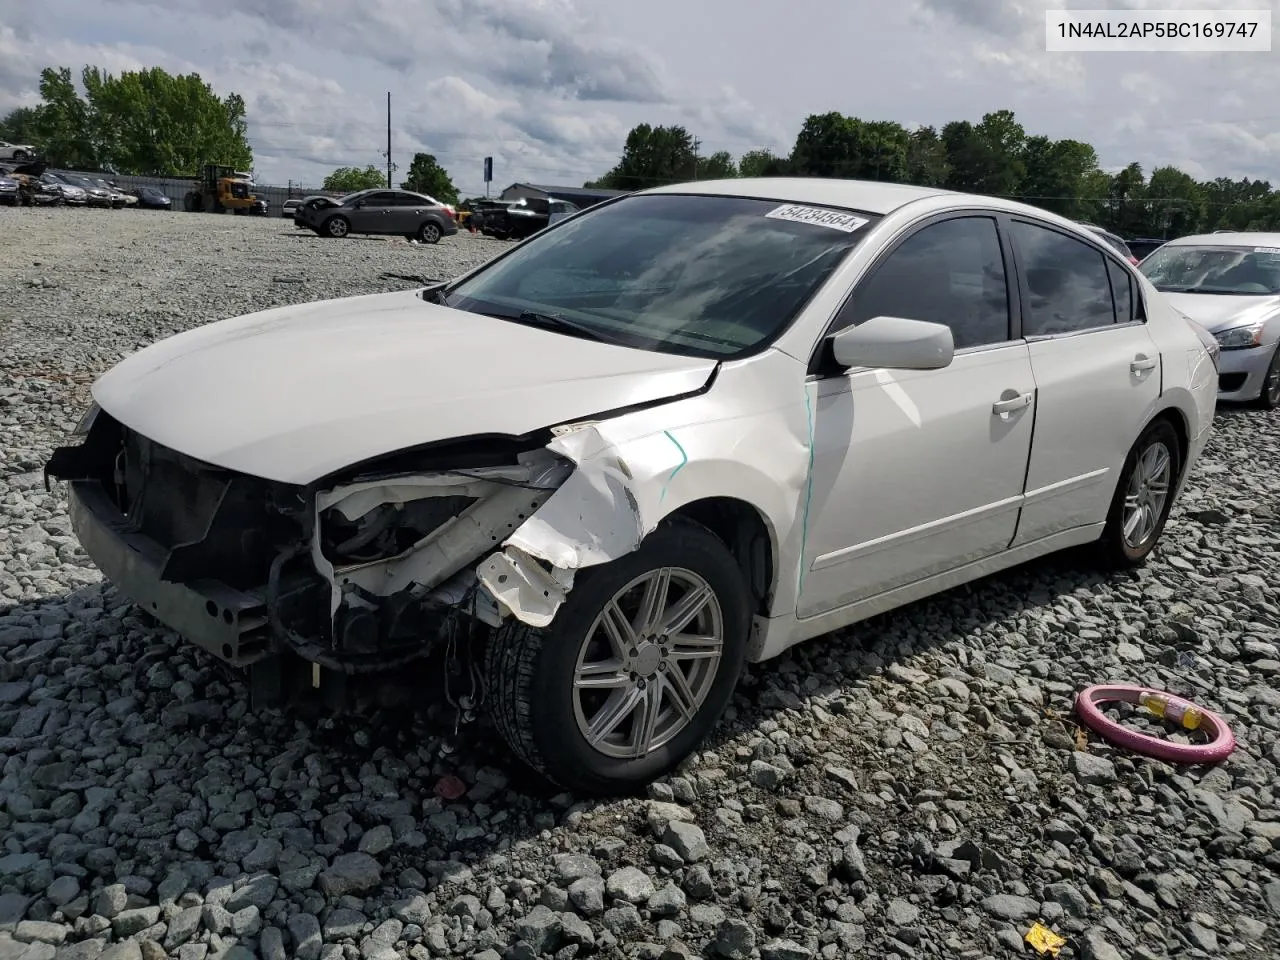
x=698 y=275
x=1238 y=271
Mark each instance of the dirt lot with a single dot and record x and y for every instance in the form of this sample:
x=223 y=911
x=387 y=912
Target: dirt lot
x=913 y=790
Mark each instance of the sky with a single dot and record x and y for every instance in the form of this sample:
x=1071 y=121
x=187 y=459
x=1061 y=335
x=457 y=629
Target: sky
x=549 y=88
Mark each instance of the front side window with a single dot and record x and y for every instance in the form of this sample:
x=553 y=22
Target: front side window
x=379 y=199
x=1069 y=290
x=699 y=275
x=950 y=272
x=1237 y=271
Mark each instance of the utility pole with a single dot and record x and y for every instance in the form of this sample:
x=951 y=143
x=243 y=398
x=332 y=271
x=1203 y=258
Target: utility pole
x=388 y=139
x=696 y=144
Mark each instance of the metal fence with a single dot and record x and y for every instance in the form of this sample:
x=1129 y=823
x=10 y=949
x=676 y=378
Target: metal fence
x=175 y=188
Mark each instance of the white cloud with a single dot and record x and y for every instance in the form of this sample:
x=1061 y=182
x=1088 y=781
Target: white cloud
x=549 y=88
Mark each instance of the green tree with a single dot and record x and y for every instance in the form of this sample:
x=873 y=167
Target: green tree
x=350 y=179
x=754 y=163
x=651 y=157
x=21 y=125
x=1056 y=176
x=833 y=145
x=994 y=156
x=927 y=163
x=142 y=121
x=719 y=166
x=427 y=176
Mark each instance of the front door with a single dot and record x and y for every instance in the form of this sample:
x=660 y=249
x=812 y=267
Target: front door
x=373 y=214
x=1097 y=374
x=918 y=472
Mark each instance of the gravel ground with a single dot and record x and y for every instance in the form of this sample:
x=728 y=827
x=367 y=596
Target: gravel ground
x=918 y=793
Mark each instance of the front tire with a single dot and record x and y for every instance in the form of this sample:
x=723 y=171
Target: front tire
x=336 y=227
x=1269 y=396
x=635 y=670
x=20 y=155
x=1143 y=497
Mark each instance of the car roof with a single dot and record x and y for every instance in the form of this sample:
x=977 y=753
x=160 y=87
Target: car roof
x=869 y=196
x=1253 y=238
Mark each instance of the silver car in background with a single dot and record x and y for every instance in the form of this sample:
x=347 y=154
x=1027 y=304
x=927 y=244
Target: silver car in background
x=1229 y=283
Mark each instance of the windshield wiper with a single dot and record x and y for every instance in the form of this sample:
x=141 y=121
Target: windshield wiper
x=554 y=321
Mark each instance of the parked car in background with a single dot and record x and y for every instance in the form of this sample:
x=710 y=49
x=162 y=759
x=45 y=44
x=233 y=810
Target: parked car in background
x=1143 y=247
x=153 y=198
x=414 y=216
x=1115 y=242
x=114 y=192
x=290 y=207
x=858 y=395
x=71 y=194
x=1229 y=283
x=19 y=152
x=32 y=189
x=97 y=194
x=128 y=196
x=8 y=190
x=527 y=216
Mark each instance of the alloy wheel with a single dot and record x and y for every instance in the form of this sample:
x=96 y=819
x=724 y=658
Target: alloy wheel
x=648 y=663
x=1147 y=493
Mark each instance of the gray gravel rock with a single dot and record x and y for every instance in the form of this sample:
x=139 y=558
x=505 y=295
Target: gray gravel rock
x=910 y=789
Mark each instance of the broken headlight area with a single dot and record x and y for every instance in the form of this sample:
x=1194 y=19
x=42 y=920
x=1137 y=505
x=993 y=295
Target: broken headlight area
x=360 y=576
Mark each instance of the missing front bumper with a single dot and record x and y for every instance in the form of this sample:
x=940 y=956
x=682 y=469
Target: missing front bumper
x=230 y=624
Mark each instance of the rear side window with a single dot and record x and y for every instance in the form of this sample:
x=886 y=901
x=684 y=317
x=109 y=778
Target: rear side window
x=1068 y=286
x=1121 y=292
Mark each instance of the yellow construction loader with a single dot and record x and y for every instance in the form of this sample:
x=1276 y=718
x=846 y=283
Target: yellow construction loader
x=221 y=189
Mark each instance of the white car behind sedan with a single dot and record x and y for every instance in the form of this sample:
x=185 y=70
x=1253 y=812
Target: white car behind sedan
x=1230 y=284
x=680 y=430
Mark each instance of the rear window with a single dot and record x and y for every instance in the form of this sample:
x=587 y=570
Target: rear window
x=705 y=276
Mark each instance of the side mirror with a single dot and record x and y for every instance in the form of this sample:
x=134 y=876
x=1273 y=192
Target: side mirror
x=894 y=343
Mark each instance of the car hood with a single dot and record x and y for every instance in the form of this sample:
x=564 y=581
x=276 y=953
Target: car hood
x=296 y=393
x=1223 y=311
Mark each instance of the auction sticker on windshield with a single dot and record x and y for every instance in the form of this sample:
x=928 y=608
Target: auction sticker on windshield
x=817 y=216
x=1266 y=249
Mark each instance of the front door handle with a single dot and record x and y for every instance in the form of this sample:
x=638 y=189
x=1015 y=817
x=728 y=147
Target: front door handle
x=1142 y=363
x=1002 y=407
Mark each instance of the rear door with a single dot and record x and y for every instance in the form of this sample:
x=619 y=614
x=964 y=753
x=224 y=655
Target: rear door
x=407 y=212
x=1097 y=373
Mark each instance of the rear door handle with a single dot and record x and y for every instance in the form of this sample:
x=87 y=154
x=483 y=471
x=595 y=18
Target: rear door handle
x=1142 y=363
x=1001 y=407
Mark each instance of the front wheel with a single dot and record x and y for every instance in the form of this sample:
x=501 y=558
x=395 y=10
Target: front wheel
x=1143 y=498
x=635 y=670
x=337 y=227
x=1269 y=397
x=20 y=155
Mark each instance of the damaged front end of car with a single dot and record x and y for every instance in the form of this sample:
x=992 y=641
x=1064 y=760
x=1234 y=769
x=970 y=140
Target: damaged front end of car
x=354 y=573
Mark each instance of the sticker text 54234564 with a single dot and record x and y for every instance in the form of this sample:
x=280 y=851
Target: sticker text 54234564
x=818 y=217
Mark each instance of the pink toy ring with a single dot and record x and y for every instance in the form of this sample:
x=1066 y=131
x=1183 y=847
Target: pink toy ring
x=1179 y=711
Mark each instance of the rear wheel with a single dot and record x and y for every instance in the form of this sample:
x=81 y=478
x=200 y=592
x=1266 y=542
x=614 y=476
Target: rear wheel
x=336 y=227
x=635 y=670
x=1143 y=497
x=1269 y=398
x=20 y=155
x=429 y=232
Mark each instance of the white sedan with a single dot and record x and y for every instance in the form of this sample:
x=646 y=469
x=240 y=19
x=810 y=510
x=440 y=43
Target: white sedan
x=683 y=429
x=1230 y=284
x=20 y=152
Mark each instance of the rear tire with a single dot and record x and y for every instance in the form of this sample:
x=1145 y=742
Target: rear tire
x=532 y=676
x=429 y=232
x=1269 y=397
x=20 y=155
x=1143 y=497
